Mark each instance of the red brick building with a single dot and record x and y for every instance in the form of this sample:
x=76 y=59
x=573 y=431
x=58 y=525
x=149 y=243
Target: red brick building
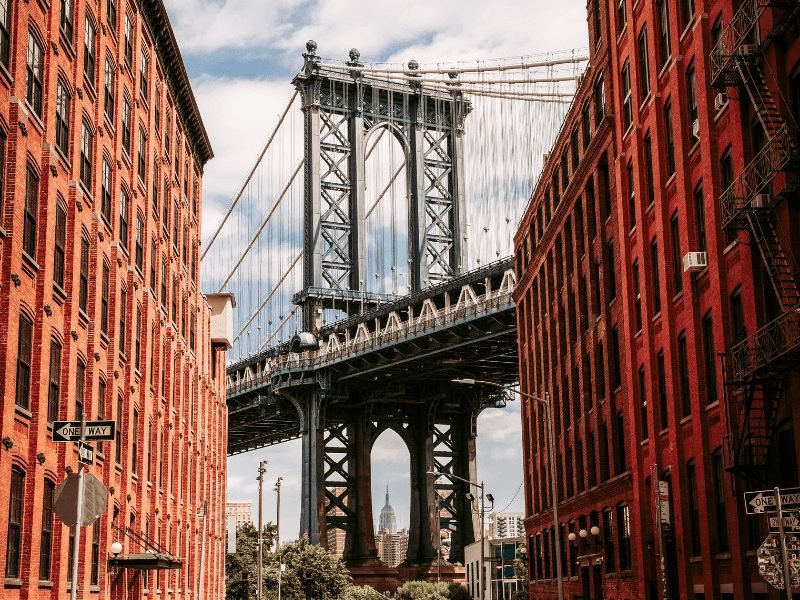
x=660 y=236
x=101 y=157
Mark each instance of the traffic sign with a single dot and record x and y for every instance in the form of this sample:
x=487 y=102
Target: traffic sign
x=663 y=504
x=790 y=523
x=770 y=560
x=70 y=431
x=95 y=496
x=764 y=501
x=85 y=453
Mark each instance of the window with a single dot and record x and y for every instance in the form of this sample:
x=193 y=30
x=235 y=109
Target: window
x=616 y=371
x=137 y=346
x=726 y=174
x=718 y=475
x=575 y=148
x=157 y=108
x=655 y=281
x=608 y=540
x=2 y=169
x=627 y=100
x=694 y=507
x=664 y=50
x=15 y=512
x=599 y=101
x=95 y=572
x=118 y=439
x=70 y=553
x=104 y=301
x=669 y=137
x=677 y=269
x=687 y=12
x=66 y=20
x=192 y=328
x=83 y=284
x=128 y=40
x=135 y=442
x=644 y=65
x=683 y=372
x=619 y=446
x=124 y=207
x=739 y=328
x=108 y=88
x=631 y=194
x=5 y=32
x=87 y=141
x=175 y=222
x=142 y=171
x=164 y=284
x=35 y=74
x=610 y=267
x=153 y=265
x=709 y=357
x=24 y=352
x=144 y=75
x=123 y=313
x=662 y=390
x=643 y=402
x=149 y=450
x=624 y=529
x=155 y=186
x=89 y=60
x=637 y=296
x=621 y=16
x=126 y=125
x=596 y=21
x=691 y=98
x=165 y=207
x=31 y=212
x=586 y=125
x=600 y=371
x=80 y=388
x=111 y=14
x=105 y=191
x=54 y=385
x=101 y=406
x=174 y=311
x=648 y=168
x=139 y=250
x=700 y=218
x=63 y=105
x=46 y=538
x=60 y=245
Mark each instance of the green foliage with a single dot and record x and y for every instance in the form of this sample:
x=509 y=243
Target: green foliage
x=423 y=590
x=240 y=568
x=311 y=571
x=456 y=591
x=362 y=592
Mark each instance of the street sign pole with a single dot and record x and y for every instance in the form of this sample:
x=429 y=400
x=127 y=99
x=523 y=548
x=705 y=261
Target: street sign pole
x=787 y=575
x=73 y=592
x=662 y=557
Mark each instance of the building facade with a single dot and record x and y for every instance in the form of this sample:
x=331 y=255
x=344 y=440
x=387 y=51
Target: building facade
x=503 y=580
x=241 y=513
x=392 y=547
x=506 y=524
x=659 y=237
x=102 y=149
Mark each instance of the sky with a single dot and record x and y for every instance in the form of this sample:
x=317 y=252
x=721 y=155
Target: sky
x=241 y=56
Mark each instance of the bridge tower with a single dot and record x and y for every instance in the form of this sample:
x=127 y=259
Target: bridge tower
x=341 y=108
x=341 y=421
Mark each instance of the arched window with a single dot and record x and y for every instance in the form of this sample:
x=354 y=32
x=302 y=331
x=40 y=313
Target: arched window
x=24 y=356
x=54 y=386
x=15 y=512
x=46 y=539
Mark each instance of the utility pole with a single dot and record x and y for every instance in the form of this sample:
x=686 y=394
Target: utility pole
x=278 y=532
x=73 y=592
x=262 y=469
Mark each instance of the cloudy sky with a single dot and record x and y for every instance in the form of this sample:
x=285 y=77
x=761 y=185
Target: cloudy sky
x=241 y=56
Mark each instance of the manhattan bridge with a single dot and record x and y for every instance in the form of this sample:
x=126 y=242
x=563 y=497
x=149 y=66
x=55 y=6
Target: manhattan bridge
x=369 y=252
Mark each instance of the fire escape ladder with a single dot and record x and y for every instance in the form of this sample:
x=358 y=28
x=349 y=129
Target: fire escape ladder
x=760 y=96
x=780 y=266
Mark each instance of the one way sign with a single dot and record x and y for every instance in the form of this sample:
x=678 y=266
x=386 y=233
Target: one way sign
x=764 y=501
x=70 y=431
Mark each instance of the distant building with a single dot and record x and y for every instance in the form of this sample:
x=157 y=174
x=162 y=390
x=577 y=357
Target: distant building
x=502 y=581
x=388 y=520
x=506 y=524
x=336 y=536
x=242 y=512
x=392 y=547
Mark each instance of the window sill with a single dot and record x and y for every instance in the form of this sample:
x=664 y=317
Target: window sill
x=686 y=419
x=30 y=263
x=671 y=180
x=12 y=582
x=713 y=405
x=59 y=293
x=45 y=584
x=5 y=75
x=23 y=412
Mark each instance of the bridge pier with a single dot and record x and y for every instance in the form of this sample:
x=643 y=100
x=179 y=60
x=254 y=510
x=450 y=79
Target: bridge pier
x=312 y=503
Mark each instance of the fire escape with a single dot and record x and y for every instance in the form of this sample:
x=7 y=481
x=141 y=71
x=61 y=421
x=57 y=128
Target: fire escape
x=757 y=367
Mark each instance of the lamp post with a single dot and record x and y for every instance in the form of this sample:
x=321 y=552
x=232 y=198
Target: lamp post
x=278 y=532
x=262 y=469
x=484 y=497
x=551 y=442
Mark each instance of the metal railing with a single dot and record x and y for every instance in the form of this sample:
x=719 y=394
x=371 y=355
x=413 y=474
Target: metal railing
x=733 y=36
x=773 y=158
x=760 y=351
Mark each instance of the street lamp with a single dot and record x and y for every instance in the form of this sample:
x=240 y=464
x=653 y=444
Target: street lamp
x=548 y=411
x=471 y=498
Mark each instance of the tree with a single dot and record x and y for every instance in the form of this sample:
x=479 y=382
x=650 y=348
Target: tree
x=311 y=572
x=241 y=568
x=424 y=590
x=362 y=592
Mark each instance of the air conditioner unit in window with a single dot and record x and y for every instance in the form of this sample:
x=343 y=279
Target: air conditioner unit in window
x=748 y=49
x=696 y=128
x=760 y=201
x=694 y=261
x=720 y=100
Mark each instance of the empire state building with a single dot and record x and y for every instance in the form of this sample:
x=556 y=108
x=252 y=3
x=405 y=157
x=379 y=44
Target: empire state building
x=388 y=520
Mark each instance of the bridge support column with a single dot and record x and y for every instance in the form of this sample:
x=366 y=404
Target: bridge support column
x=312 y=509
x=463 y=465
x=360 y=547
x=424 y=530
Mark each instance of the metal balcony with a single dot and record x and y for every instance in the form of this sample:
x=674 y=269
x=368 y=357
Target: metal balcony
x=723 y=68
x=773 y=158
x=776 y=346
